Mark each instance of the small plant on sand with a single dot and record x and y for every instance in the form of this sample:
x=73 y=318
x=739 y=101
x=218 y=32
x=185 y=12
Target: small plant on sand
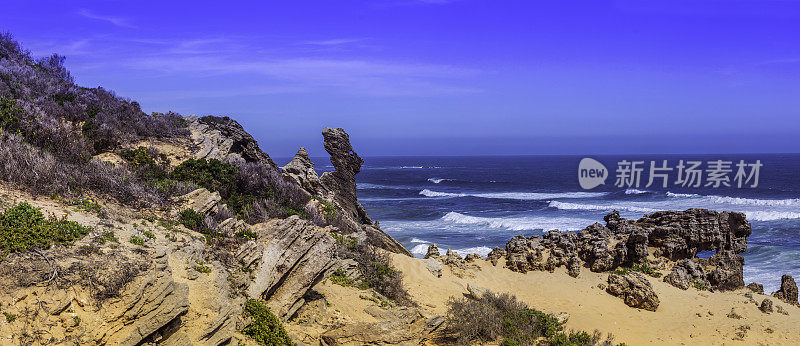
x=191 y=220
x=137 y=240
x=9 y=317
x=87 y=204
x=699 y=286
x=265 y=328
x=106 y=236
x=149 y=234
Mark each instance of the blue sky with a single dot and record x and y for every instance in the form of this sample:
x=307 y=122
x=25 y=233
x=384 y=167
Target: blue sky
x=448 y=77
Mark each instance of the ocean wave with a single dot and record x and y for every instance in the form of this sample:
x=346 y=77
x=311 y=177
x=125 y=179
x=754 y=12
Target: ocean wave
x=635 y=192
x=518 y=223
x=368 y=186
x=516 y=195
x=481 y=250
x=771 y=215
x=790 y=202
x=438 y=180
x=606 y=207
x=420 y=249
x=417 y=240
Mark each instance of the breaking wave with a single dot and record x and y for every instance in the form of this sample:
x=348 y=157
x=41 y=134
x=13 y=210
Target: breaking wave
x=515 y=195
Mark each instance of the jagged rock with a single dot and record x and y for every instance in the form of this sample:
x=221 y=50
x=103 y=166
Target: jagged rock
x=476 y=292
x=433 y=251
x=295 y=256
x=756 y=287
x=766 y=306
x=225 y=139
x=685 y=273
x=683 y=234
x=472 y=257
x=728 y=273
x=574 y=266
x=452 y=259
x=201 y=201
x=382 y=332
x=523 y=254
x=495 y=255
x=434 y=266
x=301 y=170
x=339 y=186
x=153 y=303
x=788 y=290
x=634 y=289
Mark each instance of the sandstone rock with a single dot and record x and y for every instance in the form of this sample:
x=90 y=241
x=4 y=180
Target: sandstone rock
x=756 y=287
x=683 y=234
x=476 y=292
x=201 y=201
x=472 y=257
x=224 y=139
x=562 y=317
x=634 y=289
x=433 y=251
x=434 y=266
x=452 y=259
x=574 y=266
x=728 y=272
x=295 y=256
x=382 y=332
x=301 y=171
x=766 y=306
x=788 y=290
x=495 y=255
x=155 y=301
x=684 y=274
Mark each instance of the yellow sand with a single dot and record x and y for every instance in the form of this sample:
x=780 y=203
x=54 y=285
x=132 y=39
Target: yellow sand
x=688 y=317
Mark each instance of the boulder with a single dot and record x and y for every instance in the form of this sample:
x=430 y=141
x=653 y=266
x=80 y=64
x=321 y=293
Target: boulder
x=201 y=201
x=476 y=292
x=788 y=290
x=756 y=287
x=472 y=257
x=434 y=266
x=766 y=306
x=495 y=255
x=685 y=273
x=453 y=259
x=634 y=289
x=301 y=171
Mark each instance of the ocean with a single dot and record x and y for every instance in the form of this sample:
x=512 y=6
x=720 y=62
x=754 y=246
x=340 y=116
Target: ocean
x=472 y=204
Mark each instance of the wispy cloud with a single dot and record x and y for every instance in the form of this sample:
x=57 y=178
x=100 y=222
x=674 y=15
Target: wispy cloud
x=118 y=21
x=333 y=42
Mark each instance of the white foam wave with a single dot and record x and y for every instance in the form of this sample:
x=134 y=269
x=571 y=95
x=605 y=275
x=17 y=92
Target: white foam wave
x=420 y=249
x=516 y=195
x=739 y=200
x=368 y=186
x=438 y=180
x=635 y=192
x=771 y=215
x=518 y=223
x=417 y=240
x=481 y=250
x=606 y=207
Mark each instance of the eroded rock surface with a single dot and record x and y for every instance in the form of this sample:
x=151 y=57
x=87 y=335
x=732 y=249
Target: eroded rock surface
x=301 y=171
x=634 y=289
x=224 y=139
x=788 y=290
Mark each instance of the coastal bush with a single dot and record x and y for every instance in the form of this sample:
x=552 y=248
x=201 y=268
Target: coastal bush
x=212 y=174
x=264 y=328
x=501 y=317
x=64 y=125
x=23 y=227
x=191 y=220
x=375 y=268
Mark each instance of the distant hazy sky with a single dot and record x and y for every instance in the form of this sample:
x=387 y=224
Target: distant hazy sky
x=439 y=77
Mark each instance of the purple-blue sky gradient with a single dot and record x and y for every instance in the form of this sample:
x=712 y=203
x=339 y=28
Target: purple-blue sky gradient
x=442 y=77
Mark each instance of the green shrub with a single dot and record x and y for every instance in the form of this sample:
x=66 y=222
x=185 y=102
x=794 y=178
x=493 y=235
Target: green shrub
x=87 y=204
x=149 y=234
x=211 y=174
x=10 y=317
x=246 y=234
x=191 y=219
x=137 y=240
x=699 y=286
x=23 y=227
x=106 y=236
x=265 y=328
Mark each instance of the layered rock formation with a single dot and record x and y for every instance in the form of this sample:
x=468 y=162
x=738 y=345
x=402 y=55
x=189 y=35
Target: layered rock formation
x=225 y=139
x=788 y=290
x=338 y=187
x=672 y=235
x=634 y=289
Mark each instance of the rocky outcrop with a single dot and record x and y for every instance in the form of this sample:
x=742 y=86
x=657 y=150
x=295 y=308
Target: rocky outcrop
x=339 y=188
x=224 y=139
x=396 y=326
x=301 y=171
x=153 y=303
x=686 y=273
x=788 y=290
x=634 y=289
x=766 y=306
x=433 y=251
x=671 y=235
x=756 y=287
x=453 y=259
x=201 y=201
x=289 y=257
